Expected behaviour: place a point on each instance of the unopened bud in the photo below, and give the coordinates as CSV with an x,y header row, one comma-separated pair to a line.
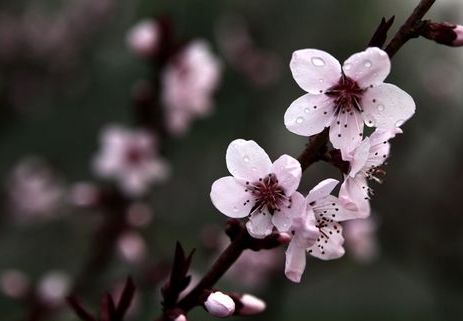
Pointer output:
x,y
143,38
219,305
251,305
444,33
459,40
181,317
284,238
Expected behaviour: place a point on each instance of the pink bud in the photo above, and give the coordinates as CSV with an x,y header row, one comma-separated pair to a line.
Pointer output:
x,y
219,305
143,38
444,33
181,317
284,238
251,305
459,39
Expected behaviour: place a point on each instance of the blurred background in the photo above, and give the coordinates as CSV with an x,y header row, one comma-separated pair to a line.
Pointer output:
x,y
68,70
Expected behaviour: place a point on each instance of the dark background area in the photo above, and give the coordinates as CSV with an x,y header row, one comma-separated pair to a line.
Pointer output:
x,y
55,107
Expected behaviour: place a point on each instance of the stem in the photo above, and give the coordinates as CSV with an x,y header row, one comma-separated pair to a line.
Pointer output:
x,y
409,29
314,150
221,265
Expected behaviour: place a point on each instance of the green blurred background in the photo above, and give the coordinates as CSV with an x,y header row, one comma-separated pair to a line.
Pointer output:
x,y
58,114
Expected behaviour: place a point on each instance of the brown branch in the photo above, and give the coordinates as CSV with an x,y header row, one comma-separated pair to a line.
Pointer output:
x,y
410,29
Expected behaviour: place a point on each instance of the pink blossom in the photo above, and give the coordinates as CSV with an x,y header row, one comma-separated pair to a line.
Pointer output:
x,y
14,283
257,188
315,228
189,81
35,191
344,98
131,247
130,158
143,38
365,162
54,287
361,239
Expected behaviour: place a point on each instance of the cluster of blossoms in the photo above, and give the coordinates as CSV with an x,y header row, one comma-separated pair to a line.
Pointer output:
x,y
343,98
190,73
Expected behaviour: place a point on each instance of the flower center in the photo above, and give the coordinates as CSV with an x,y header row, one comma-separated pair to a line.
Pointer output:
x,y
268,193
346,95
134,155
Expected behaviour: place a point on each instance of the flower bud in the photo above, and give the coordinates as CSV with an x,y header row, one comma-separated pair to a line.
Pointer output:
x,y
251,305
219,305
180,317
459,32
143,38
444,33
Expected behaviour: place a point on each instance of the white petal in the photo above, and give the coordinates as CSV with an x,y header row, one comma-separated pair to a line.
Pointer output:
x,y
332,208
355,190
230,197
387,106
369,67
329,244
309,114
295,262
360,157
322,189
346,131
260,225
283,219
288,173
379,146
380,136
246,160
305,230
315,70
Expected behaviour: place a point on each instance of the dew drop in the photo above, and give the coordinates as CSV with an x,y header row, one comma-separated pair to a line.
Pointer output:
x,y
299,120
399,123
321,80
307,110
246,159
380,107
367,63
317,61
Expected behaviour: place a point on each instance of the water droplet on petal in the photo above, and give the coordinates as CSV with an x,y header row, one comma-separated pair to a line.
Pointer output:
x,y
380,107
307,110
399,123
246,159
317,61
321,80
367,63
299,120
235,209
347,66
369,120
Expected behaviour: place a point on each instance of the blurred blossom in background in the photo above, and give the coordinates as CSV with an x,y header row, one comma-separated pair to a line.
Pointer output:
x,y
219,70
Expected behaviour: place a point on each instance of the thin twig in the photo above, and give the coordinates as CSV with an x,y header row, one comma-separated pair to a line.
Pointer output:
x,y
410,28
